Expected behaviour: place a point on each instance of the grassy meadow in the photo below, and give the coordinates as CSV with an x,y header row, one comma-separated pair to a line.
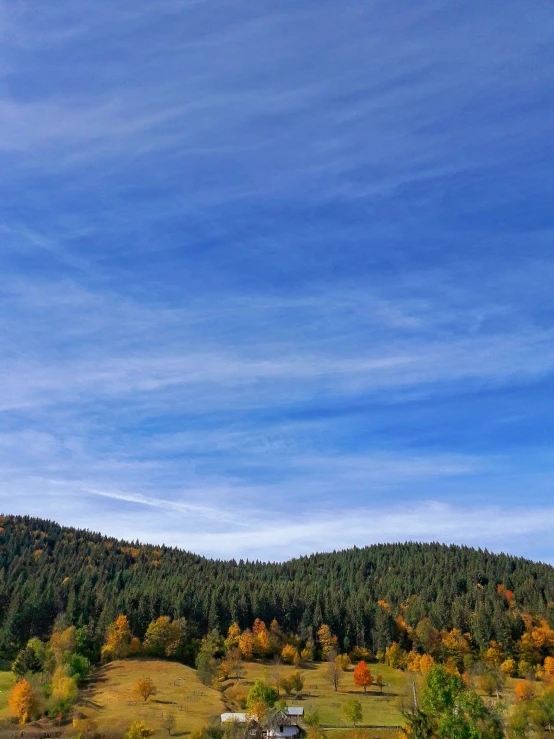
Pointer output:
x,y
111,703
378,710
6,684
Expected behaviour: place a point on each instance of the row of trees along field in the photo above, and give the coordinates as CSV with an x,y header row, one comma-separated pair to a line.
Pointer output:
x,y
49,674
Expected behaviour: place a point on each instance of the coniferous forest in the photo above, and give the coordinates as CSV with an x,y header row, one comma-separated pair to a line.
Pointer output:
x,y
374,597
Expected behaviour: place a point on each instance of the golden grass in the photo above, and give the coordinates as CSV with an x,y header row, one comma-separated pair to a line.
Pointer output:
x,y
110,700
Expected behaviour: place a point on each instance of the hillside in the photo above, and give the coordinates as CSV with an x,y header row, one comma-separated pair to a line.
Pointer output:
x,y
370,597
111,703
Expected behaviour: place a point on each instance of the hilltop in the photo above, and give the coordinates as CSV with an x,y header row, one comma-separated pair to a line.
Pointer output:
x,y
371,597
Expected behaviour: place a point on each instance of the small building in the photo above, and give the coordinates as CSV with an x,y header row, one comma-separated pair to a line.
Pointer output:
x,y
283,724
252,729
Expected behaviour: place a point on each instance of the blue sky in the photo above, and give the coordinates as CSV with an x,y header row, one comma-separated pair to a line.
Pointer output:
x,y
276,277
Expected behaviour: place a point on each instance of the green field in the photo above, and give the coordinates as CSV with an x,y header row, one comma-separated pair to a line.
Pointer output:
x,y
378,710
6,683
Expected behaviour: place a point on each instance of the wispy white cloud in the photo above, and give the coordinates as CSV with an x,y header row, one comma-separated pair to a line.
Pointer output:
x,y
272,258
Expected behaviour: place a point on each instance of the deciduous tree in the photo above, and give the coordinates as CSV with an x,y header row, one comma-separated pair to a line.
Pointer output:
x,y
145,688
352,711
362,676
138,730
327,641
23,702
169,721
246,644
260,692
334,672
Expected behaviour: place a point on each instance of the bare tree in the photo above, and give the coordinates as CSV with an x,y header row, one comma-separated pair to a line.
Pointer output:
x,y
169,722
234,660
334,671
277,673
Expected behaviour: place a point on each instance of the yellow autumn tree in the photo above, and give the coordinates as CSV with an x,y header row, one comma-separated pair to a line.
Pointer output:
x,y
508,667
288,654
451,666
549,668
455,644
395,656
413,662
64,688
327,640
275,629
163,637
23,702
307,653
494,655
246,644
63,642
262,645
118,639
343,661
426,663
233,636
138,730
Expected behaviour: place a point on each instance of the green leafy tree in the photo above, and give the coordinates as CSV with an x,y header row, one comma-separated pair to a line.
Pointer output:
x,y
260,692
206,668
79,666
352,711
455,711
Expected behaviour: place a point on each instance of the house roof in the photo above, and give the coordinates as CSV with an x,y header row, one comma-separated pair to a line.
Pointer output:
x,y
241,718
294,710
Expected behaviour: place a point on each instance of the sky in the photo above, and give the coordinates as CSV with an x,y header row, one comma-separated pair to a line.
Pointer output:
x,y
277,277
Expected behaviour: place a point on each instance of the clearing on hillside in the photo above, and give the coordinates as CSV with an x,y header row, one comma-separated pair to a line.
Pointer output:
x,y
378,710
111,702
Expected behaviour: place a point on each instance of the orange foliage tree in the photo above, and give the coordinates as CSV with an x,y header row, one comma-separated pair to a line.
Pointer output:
x,y
23,702
425,663
362,676
145,688
258,626
523,691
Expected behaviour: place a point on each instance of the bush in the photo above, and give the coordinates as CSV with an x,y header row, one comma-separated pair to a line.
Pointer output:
x,y
138,730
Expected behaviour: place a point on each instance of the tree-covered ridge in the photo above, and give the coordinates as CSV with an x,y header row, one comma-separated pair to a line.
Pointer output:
x,y
371,597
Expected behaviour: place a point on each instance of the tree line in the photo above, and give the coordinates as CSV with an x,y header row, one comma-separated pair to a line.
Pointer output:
x,y
396,602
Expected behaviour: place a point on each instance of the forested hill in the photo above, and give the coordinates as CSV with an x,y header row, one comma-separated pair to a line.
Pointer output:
x,y
369,597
